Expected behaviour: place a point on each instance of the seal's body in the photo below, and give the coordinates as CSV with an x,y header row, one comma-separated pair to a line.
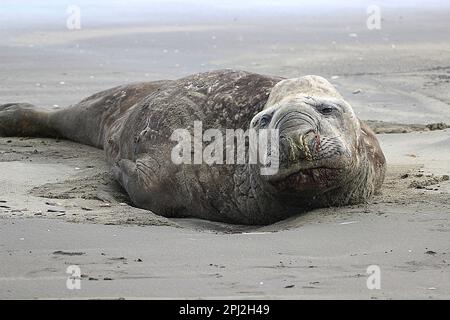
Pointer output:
x,y
327,156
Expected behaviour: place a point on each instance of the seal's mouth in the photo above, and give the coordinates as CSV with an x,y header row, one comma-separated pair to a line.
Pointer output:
x,y
302,146
306,179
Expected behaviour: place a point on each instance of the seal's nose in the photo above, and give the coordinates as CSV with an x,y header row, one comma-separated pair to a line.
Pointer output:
x,y
305,140
299,134
300,145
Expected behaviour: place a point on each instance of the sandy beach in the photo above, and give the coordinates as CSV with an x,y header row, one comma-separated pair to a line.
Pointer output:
x,y
59,205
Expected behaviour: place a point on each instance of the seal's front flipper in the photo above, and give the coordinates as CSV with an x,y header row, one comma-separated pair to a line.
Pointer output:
x,y
125,172
25,120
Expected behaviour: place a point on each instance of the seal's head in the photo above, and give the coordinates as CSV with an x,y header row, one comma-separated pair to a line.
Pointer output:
x,y
323,147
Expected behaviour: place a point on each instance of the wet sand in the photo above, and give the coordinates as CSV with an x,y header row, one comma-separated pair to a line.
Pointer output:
x,y
60,207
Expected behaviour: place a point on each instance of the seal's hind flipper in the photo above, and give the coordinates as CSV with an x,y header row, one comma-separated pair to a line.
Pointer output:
x,y
25,120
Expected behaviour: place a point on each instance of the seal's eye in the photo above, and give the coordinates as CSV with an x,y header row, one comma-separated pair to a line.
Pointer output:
x,y
265,120
326,110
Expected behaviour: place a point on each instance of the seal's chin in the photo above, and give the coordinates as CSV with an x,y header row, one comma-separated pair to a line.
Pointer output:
x,y
318,178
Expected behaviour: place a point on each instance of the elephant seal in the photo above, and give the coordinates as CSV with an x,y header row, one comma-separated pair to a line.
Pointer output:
x,y
327,156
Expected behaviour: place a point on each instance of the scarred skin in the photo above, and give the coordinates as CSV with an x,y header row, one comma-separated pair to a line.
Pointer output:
x,y
328,157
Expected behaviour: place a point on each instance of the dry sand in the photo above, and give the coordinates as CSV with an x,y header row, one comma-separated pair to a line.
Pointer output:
x,y
60,207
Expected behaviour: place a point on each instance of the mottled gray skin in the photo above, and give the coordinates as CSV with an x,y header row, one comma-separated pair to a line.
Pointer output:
x,y
327,156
